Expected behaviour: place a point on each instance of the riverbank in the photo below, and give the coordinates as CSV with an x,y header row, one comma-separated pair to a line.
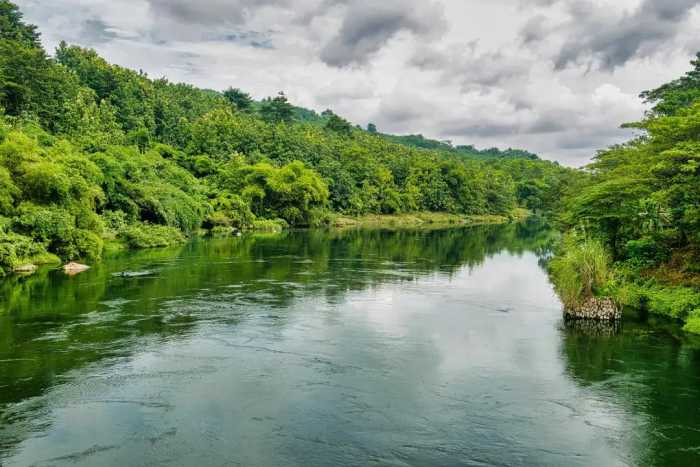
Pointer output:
x,y
583,273
424,219
147,236
646,295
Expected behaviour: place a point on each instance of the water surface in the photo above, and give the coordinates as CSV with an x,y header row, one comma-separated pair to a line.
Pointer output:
x,y
409,348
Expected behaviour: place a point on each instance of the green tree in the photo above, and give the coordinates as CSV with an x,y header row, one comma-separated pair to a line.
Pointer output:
x,y
240,100
677,94
277,109
338,125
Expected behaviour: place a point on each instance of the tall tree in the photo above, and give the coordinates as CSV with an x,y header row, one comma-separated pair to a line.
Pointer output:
x,y
277,109
239,99
677,94
339,125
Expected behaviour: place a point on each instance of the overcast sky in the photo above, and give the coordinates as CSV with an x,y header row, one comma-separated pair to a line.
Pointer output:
x,y
557,77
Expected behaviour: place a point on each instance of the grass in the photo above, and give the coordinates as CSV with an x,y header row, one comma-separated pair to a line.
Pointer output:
x,y
580,271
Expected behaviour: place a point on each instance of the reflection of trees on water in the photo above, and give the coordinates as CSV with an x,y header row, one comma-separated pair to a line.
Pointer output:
x,y
51,323
653,376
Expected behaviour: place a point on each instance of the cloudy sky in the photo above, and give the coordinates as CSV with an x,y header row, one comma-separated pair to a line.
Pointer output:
x,y
556,77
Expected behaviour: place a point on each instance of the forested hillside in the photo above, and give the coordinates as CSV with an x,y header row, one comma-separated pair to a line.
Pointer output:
x,y
642,202
91,151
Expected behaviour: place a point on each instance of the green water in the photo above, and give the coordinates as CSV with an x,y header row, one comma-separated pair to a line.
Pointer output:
x,y
427,348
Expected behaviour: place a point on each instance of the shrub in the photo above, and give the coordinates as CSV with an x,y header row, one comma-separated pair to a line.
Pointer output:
x,y
675,302
230,211
631,295
115,221
580,270
270,225
646,251
46,224
151,236
80,244
168,205
320,217
693,323
46,182
8,192
16,249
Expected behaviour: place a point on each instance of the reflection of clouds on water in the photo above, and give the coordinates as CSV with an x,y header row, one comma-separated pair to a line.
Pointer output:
x,y
438,348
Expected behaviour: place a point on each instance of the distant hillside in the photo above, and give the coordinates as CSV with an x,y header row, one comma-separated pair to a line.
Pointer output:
x,y
419,141
302,114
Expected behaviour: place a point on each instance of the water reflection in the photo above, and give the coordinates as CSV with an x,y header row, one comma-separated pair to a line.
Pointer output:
x,y
652,377
317,348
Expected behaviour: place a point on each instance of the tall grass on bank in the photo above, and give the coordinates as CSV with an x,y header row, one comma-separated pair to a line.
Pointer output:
x,y
580,270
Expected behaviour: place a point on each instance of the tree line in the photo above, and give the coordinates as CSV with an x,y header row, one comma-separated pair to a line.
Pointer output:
x,y
93,152
641,201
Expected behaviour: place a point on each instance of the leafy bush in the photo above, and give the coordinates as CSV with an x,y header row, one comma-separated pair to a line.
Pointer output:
x,y
17,249
151,236
290,192
581,270
267,225
646,251
8,192
693,322
674,302
320,217
44,223
80,244
630,294
230,211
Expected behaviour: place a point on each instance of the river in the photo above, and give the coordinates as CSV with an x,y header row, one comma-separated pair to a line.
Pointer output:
x,y
404,348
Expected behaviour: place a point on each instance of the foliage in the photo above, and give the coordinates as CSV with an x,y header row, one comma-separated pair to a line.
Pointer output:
x,y
230,210
641,200
693,323
338,125
92,151
580,271
277,109
270,225
142,235
240,100
682,92
16,250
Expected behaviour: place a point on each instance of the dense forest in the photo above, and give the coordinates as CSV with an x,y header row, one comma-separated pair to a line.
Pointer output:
x,y
92,152
634,222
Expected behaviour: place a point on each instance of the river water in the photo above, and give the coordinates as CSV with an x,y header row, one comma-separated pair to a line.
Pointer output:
x,y
408,348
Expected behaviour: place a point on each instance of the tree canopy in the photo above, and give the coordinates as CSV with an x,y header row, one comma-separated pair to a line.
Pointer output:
x,y
93,152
